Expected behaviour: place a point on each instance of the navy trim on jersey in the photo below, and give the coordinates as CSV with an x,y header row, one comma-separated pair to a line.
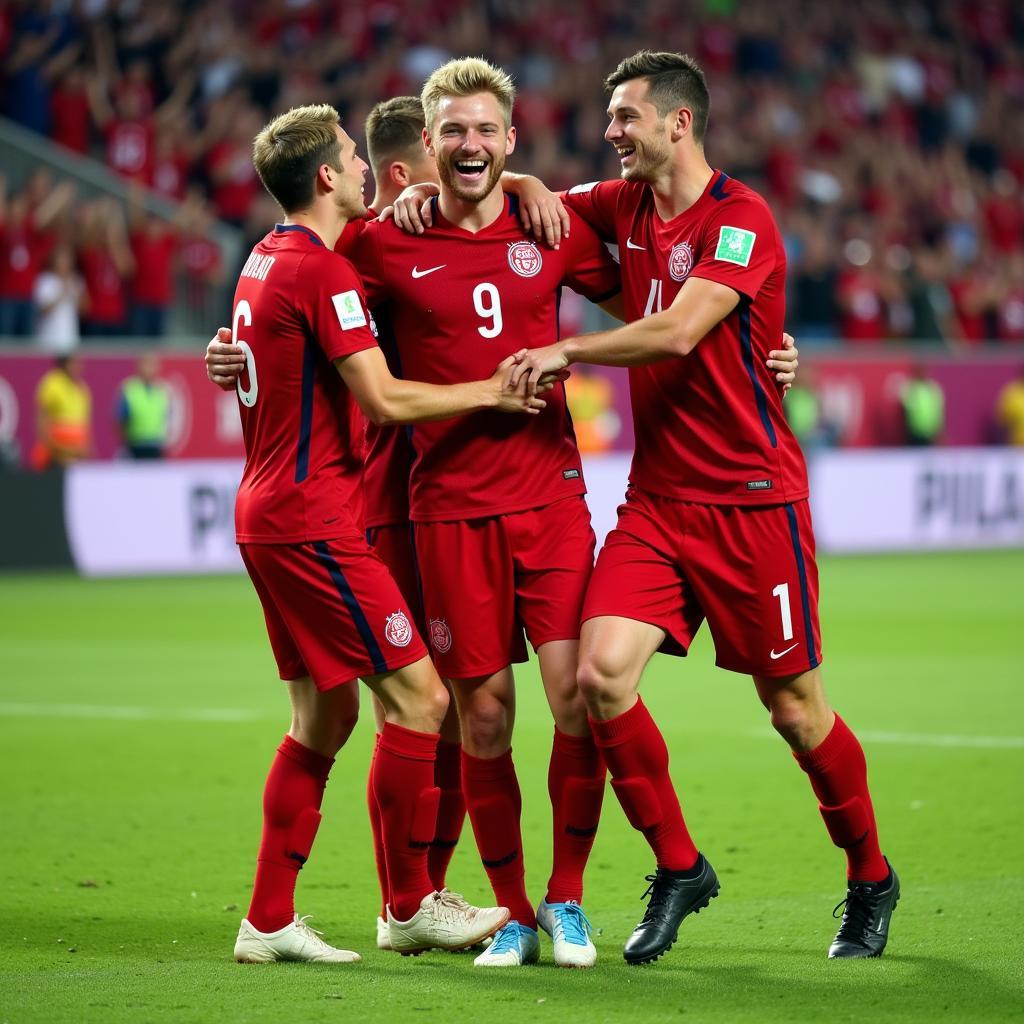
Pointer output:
x,y
805,597
352,604
370,535
746,347
416,573
305,412
299,227
513,204
717,190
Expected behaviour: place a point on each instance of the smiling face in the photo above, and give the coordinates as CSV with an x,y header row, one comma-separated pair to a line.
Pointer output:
x,y
638,132
470,141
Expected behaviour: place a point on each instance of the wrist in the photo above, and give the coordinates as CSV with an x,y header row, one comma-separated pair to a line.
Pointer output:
x,y
570,350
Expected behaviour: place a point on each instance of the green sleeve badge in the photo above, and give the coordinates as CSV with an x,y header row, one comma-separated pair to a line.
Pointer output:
x,y
735,245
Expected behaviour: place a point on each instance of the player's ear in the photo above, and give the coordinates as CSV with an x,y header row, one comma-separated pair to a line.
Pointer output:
x,y
399,174
325,176
428,145
510,140
680,123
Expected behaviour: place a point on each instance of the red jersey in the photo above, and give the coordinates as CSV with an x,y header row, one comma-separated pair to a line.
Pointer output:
x,y
104,286
297,307
130,149
388,454
709,427
460,303
153,283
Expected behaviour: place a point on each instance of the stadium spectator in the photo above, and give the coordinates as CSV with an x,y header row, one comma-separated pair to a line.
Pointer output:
x,y
26,238
58,295
154,245
63,415
144,411
923,409
1010,410
107,263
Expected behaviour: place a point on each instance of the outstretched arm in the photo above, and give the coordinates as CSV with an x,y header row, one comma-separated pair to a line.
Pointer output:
x,y
675,331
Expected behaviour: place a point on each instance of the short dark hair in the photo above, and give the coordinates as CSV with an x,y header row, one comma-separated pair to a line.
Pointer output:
x,y
289,150
393,128
674,80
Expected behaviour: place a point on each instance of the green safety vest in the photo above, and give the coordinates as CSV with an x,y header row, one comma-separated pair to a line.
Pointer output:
x,y
924,406
148,409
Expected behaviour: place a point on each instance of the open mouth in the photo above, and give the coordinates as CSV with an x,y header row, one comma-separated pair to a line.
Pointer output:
x,y
470,170
626,154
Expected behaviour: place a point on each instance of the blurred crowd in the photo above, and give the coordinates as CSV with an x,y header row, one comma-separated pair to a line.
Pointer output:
x,y
888,138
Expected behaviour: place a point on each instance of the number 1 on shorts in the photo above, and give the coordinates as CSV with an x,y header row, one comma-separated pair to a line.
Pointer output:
x,y
782,593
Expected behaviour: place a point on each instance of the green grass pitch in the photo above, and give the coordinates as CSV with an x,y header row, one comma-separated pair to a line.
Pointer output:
x,y
137,720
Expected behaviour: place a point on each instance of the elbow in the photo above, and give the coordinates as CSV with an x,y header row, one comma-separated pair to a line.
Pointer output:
x,y
682,342
381,413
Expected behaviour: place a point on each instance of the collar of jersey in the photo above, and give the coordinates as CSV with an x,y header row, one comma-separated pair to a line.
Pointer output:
x,y
292,228
511,210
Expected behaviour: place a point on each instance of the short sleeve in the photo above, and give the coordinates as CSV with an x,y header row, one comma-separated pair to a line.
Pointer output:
x,y
596,203
590,269
334,306
739,246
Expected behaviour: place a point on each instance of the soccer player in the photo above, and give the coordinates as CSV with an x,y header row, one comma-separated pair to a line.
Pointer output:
x,y
502,531
394,130
333,612
716,522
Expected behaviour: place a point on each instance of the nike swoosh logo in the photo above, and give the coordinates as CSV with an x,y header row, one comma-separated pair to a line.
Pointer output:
x,y
416,272
775,657
630,245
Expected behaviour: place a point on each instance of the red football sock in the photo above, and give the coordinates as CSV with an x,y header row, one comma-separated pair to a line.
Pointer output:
x,y
403,782
494,803
378,834
839,778
637,759
291,814
576,787
451,811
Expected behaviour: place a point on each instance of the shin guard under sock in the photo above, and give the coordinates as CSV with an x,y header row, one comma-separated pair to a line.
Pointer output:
x,y
576,786
291,815
403,782
637,758
494,804
839,777
451,811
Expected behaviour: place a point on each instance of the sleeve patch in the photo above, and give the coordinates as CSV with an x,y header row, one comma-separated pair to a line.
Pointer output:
x,y
349,310
735,245
577,190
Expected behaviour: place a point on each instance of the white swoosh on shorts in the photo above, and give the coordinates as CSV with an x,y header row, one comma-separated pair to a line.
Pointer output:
x,y
775,657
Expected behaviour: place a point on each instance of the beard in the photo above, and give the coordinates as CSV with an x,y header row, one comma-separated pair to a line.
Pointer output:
x,y
479,191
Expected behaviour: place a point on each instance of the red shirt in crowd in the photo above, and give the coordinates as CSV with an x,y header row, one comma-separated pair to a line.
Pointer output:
x,y
153,283
104,286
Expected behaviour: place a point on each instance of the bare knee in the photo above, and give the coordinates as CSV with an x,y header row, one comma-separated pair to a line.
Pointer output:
x,y
800,714
325,728
603,684
486,723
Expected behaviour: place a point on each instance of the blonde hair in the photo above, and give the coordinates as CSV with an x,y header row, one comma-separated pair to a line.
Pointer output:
x,y
464,77
289,150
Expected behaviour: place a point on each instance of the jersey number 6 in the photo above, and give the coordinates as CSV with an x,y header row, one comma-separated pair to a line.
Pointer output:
x,y
243,315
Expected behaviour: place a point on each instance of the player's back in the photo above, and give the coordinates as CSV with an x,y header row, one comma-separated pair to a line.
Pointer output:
x,y
297,307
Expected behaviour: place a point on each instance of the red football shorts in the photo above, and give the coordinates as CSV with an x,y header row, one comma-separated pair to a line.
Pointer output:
x,y
486,580
394,546
750,571
333,611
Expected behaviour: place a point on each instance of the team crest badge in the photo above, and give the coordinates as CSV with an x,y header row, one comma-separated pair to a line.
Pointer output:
x,y
398,630
680,261
525,259
440,636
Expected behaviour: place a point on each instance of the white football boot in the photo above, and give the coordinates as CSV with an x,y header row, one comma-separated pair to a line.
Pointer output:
x,y
570,930
515,945
383,934
295,941
444,921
